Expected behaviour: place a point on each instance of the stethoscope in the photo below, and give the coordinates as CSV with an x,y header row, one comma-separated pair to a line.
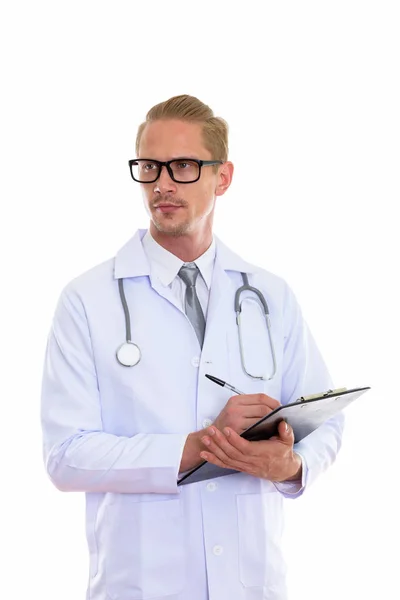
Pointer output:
x,y
129,354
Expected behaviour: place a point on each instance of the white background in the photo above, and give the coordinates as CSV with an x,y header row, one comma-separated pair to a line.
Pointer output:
x,y
310,90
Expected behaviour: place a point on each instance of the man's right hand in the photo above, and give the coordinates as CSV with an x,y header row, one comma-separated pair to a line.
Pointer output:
x,y
240,412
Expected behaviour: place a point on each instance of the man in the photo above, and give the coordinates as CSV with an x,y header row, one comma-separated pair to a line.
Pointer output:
x,y
124,435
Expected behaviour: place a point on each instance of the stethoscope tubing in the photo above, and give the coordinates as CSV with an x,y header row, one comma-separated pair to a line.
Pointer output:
x,y
128,354
128,333
238,310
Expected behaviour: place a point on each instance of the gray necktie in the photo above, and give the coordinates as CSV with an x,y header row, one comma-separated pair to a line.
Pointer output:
x,y
192,304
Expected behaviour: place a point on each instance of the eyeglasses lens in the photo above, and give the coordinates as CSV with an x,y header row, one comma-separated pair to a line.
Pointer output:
x,y
184,171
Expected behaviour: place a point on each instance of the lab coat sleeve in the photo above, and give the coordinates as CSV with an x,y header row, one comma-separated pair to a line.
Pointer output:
x,y
79,455
304,373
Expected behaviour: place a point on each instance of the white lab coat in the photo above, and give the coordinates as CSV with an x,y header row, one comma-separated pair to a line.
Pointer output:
x,y
118,433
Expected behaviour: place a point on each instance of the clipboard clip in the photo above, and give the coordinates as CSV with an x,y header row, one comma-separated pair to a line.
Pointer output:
x,y
324,395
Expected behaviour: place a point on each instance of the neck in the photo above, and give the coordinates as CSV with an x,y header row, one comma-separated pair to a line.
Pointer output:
x,y
186,247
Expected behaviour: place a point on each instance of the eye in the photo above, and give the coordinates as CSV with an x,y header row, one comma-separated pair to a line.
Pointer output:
x,y
183,165
149,166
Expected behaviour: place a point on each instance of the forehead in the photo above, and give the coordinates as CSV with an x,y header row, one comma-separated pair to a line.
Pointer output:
x,y
167,139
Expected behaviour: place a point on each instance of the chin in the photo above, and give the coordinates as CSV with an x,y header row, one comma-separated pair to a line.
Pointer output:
x,y
172,229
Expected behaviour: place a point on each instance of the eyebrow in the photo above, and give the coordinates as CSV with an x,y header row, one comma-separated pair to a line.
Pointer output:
x,y
180,156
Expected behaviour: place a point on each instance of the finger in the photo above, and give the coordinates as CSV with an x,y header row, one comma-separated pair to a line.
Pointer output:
x,y
211,458
215,454
219,445
256,400
248,410
286,433
214,450
253,413
238,442
268,401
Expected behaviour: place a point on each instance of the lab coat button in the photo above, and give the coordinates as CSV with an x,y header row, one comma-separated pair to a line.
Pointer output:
x,y
217,550
207,423
195,361
211,487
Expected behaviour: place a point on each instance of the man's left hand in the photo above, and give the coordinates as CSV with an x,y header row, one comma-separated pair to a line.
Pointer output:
x,y
272,459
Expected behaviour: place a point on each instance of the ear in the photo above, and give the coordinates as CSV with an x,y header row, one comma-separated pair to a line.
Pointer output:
x,y
224,180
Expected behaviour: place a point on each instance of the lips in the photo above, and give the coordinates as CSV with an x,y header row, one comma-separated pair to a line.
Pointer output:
x,y
167,207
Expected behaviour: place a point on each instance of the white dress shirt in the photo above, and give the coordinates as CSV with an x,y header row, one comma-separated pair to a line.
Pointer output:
x,y
165,266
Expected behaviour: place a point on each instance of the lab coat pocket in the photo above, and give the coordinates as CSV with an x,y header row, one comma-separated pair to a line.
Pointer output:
x,y
144,550
260,526
252,539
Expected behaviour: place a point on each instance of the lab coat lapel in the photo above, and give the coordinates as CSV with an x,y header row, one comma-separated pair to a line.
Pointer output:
x,y
223,288
165,292
221,297
131,261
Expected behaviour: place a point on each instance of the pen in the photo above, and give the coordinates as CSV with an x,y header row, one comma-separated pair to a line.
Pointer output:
x,y
224,384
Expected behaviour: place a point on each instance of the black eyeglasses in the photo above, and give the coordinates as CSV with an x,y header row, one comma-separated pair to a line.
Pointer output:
x,y
181,170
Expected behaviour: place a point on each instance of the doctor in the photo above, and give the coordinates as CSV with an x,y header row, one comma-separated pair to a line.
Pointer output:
x,y
124,434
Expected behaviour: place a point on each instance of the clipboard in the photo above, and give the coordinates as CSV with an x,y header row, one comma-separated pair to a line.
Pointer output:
x,y
304,415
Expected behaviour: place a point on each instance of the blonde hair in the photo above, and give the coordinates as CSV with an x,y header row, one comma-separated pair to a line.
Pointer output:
x,y
192,110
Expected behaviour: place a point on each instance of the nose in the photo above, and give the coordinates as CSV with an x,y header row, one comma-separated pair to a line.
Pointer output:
x,y
164,182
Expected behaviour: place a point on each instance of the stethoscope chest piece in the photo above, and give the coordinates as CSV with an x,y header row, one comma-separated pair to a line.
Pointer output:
x,y
128,354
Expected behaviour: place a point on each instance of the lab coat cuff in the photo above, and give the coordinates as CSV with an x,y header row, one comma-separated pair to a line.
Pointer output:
x,y
294,489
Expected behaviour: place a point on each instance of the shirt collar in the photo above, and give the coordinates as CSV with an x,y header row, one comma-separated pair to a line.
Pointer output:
x,y
166,265
131,260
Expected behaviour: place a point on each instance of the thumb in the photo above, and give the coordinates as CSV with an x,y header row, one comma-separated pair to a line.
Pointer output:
x,y
286,433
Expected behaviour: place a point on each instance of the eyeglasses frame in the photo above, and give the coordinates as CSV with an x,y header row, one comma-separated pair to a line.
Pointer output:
x,y
167,163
